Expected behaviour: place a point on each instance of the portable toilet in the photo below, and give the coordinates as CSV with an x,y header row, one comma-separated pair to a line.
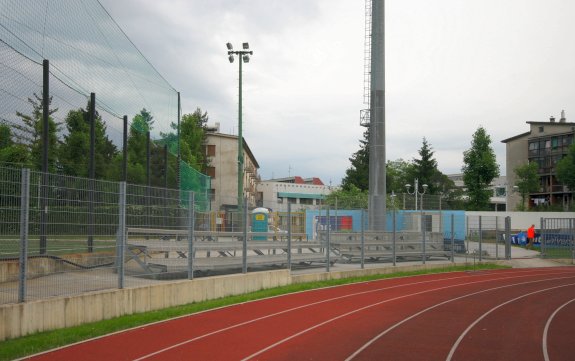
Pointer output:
x,y
260,223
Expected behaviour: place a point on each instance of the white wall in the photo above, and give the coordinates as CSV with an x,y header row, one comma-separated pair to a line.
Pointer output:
x,y
523,220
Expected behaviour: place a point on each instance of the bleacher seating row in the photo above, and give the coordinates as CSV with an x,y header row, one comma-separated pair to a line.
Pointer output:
x,y
155,251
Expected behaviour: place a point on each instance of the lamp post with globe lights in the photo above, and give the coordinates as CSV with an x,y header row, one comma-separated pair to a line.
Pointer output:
x,y
416,191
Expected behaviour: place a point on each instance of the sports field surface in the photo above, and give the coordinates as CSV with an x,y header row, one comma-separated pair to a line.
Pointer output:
x,y
523,314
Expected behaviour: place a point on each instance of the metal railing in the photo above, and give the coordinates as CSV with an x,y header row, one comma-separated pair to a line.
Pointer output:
x,y
62,235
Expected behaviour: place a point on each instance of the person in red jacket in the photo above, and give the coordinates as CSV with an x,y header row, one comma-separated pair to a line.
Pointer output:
x,y
530,237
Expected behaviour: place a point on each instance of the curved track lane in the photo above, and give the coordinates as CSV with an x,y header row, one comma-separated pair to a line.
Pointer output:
x,y
495,315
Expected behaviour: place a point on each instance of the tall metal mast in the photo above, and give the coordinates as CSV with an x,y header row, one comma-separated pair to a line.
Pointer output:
x,y
377,184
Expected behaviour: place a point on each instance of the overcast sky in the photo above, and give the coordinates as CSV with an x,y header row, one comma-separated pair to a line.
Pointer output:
x,y
451,66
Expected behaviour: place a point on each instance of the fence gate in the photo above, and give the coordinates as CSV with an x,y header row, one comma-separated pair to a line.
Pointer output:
x,y
487,237
557,238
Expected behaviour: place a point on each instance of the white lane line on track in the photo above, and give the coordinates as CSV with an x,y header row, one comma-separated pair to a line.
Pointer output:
x,y
522,274
545,332
294,309
456,344
370,342
371,306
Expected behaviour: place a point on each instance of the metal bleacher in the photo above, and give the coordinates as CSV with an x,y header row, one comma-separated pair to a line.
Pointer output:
x,y
163,250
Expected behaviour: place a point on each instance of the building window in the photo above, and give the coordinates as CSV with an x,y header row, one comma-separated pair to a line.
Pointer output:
x,y
541,129
306,201
211,171
211,150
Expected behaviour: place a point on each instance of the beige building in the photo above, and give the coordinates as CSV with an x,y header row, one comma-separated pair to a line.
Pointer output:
x,y
301,193
498,187
545,143
222,152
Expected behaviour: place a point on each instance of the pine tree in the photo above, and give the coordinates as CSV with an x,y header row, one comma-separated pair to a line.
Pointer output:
x,y
425,168
75,147
32,131
358,174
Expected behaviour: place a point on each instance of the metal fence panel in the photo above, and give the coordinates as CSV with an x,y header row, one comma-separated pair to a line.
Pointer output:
x,y
557,238
84,235
485,239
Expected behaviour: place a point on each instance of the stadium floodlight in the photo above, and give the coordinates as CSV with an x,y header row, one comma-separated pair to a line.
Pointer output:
x,y
244,57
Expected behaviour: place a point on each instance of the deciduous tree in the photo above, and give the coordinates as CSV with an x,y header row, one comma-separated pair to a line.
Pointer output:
x,y
566,169
527,180
479,169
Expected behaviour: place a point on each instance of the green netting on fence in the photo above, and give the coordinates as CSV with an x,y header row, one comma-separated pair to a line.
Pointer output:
x,y
88,53
200,184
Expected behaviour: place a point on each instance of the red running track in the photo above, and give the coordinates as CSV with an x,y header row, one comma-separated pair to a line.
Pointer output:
x,y
526,314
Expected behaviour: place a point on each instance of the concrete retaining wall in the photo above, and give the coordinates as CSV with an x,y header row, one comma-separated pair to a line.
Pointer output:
x,y
36,316
22,319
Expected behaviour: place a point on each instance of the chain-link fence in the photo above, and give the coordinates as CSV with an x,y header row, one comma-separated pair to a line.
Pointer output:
x,y
78,98
62,235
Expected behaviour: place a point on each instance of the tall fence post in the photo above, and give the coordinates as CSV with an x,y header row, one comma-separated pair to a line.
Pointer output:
x,y
480,240
423,253
125,149
452,238
362,238
24,219
508,237
149,181
394,237
45,142
191,226
289,236
496,238
542,237
91,172
245,237
572,231
328,233
121,237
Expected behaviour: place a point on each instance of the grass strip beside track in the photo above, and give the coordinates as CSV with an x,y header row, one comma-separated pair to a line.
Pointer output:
x,y
28,345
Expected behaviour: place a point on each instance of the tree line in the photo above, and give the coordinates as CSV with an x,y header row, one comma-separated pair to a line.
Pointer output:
x,y
69,145
479,170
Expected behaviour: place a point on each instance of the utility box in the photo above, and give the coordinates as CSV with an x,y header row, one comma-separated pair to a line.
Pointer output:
x,y
260,223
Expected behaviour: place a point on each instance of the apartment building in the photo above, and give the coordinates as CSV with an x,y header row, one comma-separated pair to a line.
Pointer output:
x,y
545,143
222,152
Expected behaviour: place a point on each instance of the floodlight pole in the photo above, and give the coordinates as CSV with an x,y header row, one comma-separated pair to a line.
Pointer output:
x,y
240,143
243,56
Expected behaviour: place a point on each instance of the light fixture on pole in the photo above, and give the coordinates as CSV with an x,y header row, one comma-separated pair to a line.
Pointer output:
x,y
244,57
392,196
416,191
